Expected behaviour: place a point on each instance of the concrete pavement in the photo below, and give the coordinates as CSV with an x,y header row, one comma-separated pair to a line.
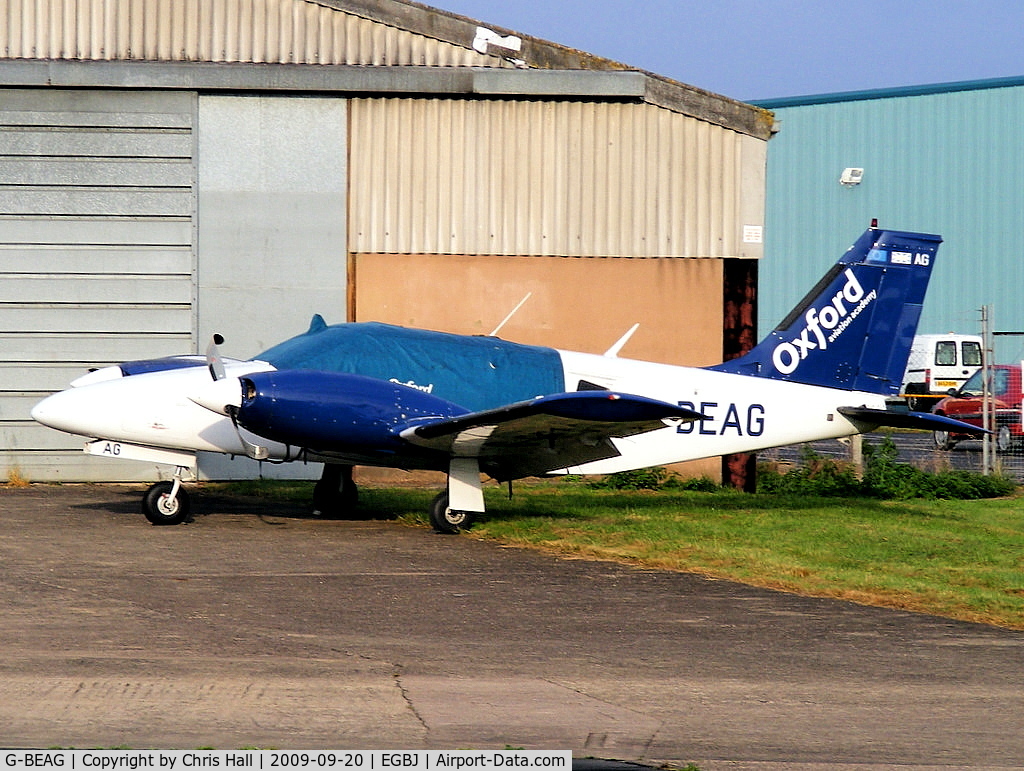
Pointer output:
x,y
256,626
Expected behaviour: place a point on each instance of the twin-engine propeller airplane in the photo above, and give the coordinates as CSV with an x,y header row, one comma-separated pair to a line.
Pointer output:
x,y
379,395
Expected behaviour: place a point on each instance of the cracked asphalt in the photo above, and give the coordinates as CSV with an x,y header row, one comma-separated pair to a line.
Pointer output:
x,y
256,626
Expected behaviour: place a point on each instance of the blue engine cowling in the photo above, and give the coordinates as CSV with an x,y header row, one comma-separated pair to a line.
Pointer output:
x,y
334,412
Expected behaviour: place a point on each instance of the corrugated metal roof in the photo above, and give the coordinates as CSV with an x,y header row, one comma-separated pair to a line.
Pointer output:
x,y
329,33
259,31
889,93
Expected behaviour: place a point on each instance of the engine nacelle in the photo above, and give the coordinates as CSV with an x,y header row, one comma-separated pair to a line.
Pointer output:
x,y
330,411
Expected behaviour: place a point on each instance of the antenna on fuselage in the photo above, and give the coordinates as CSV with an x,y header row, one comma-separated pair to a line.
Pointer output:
x,y
512,313
614,350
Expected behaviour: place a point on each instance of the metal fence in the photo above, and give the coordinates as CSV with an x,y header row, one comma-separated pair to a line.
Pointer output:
x,y
917,448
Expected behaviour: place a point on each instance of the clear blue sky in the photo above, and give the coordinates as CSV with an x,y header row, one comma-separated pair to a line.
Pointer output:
x,y
773,48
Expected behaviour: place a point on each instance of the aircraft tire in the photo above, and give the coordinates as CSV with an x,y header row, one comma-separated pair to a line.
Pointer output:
x,y
1004,439
942,440
446,520
161,509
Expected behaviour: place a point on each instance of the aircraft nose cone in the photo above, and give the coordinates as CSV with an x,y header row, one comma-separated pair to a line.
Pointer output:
x,y
219,395
38,412
62,411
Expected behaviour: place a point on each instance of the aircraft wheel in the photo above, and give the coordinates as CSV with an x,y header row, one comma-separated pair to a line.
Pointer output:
x,y
942,440
1004,439
918,398
921,403
161,509
335,494
446,520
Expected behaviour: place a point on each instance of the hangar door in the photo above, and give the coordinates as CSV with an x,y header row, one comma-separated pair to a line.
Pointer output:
x,y
96,253
580,304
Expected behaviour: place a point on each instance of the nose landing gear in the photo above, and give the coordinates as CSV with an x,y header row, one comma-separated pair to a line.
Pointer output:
x,y
167,503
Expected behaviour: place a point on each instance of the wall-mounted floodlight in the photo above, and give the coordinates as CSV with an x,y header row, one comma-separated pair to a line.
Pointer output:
x,y
851,177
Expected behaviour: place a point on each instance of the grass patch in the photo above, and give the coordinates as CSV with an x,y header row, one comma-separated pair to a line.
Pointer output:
x,y
961,559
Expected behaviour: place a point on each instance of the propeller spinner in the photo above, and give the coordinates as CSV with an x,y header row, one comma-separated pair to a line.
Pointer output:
x,y
224,396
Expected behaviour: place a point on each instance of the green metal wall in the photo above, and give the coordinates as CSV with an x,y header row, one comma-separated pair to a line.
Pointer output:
x,y
944,159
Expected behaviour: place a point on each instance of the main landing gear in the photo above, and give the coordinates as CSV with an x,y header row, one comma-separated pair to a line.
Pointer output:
x,y
335,496
447,520
457,507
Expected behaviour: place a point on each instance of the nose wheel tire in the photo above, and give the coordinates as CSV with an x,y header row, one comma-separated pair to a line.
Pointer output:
x,y
162,509
446,520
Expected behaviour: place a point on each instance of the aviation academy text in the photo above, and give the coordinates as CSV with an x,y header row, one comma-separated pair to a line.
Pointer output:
x,y
228,760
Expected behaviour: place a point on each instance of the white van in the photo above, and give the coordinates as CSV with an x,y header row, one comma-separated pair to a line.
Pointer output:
x,y
938,363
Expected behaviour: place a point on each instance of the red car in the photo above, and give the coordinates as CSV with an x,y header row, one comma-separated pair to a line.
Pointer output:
x,y
966,405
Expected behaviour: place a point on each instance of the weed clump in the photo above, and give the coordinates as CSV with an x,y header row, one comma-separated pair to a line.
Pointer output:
x,y
654,478
16,479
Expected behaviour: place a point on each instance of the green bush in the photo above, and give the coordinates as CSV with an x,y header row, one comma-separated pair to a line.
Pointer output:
x,y
638,479
884,477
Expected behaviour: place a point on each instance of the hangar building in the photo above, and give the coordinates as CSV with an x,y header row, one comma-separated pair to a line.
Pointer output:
x,y
941,159
170,169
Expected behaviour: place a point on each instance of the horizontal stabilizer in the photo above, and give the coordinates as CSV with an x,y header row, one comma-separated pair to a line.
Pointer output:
x,y
547,433
924,421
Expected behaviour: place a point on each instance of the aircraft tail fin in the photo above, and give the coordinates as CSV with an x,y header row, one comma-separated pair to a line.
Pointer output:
x,y
854,329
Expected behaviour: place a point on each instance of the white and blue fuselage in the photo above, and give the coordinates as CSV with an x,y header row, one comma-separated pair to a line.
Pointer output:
x,y
162,409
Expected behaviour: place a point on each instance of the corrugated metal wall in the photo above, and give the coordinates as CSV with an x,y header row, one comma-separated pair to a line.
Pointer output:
x,y
944,162
96,262
433,176
263,31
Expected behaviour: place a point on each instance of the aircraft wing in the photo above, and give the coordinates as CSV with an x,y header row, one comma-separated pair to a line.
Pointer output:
x,y
547,433
925,421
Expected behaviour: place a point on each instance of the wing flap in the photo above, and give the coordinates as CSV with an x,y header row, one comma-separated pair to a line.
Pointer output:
x,y
547,433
